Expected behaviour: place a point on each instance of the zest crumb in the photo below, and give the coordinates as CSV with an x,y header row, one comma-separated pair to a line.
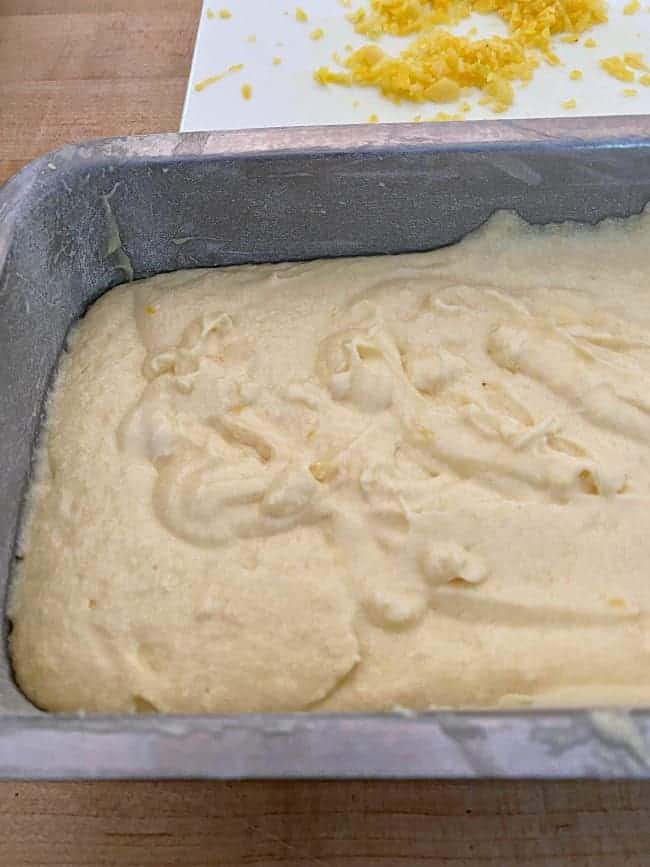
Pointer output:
x,y
318,33
210,14
246,91
569,103
590,43
373,118
575,75
635,60
251,38
225,14
301,15
644,80
149,310
276,61
569,38
417,118
629,91
631,7
235,67
617,68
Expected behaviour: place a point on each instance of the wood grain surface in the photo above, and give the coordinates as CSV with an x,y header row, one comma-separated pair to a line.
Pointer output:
x,y
358,824
74,69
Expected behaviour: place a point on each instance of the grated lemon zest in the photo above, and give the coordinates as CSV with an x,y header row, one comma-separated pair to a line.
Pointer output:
x,y
439,66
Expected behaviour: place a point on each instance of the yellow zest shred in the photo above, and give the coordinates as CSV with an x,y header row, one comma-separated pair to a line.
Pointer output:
x,y
616,602
225,14
444,116
246,91
644,80
569,103
213,79
439,66
150,310
318,33
206,82
590,43
373,118
575,75
617,68
277,61
301,15
210,14
630,91
631,7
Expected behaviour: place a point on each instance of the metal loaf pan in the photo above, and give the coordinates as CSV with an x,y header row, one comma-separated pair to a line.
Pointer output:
x,y
87,217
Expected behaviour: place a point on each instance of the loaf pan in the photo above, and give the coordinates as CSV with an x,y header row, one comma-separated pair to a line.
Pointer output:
x,y
87,217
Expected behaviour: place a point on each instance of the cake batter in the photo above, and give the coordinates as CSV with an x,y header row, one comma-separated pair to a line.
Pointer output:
x,y
417,481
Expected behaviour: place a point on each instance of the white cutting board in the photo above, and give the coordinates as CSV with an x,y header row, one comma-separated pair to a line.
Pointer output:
x,y
287,95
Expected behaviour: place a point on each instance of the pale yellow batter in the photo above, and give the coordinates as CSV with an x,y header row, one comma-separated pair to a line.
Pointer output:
x,y
410,481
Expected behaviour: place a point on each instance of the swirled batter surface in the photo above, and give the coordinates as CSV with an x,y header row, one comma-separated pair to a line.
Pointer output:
x,y
419,480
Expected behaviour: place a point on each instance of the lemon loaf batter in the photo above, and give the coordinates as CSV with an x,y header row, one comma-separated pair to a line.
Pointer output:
x,y
419,480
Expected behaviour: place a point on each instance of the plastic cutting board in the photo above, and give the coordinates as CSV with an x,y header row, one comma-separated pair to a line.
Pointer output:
x,y
283,92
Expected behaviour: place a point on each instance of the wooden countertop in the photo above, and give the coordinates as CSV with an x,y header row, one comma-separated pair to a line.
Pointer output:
x,y
74,69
